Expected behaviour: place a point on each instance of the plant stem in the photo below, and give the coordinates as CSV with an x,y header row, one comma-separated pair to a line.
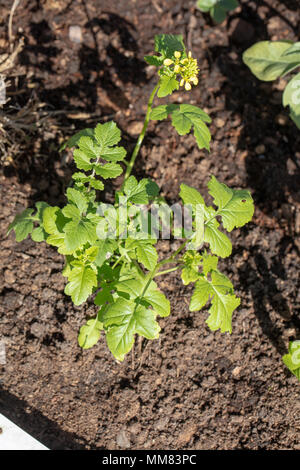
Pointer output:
x,y
170,260
151,276
118,261
142,135
166,271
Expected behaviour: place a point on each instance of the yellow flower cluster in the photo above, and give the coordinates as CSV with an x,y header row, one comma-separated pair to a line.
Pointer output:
x,y
187,68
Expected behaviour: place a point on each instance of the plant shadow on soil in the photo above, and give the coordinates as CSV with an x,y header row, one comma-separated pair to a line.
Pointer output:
x,y
81,91
37,425
269,175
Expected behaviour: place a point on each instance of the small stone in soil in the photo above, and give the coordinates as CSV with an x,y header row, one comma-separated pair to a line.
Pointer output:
x,y
122,440
37,330
9,277
75,34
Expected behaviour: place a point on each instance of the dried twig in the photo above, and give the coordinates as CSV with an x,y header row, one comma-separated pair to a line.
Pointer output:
x,y
7,60
12,11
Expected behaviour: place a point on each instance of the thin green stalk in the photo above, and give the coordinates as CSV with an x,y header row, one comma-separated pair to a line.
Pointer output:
x,y
166,271
173,256
141,136
118,261
151,276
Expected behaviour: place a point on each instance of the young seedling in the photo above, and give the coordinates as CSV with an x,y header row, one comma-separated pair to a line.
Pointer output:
x,y
217,9
292,359
110,249
269,60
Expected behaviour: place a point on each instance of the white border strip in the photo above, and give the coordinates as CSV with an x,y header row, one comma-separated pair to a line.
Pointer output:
x,y
14,438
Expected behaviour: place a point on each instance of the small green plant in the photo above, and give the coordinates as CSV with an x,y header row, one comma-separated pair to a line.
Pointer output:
x,y
292,359
110,249
269,60
217,9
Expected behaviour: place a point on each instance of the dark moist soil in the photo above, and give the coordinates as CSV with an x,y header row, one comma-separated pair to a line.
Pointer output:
x,y
191,389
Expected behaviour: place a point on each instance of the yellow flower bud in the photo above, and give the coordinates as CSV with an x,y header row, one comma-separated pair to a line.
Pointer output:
x,y
194,80
188,86
168,62
181,82
177,68
177,54
190,55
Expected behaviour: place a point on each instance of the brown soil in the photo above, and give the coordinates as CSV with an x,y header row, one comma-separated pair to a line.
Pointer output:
x,y
191,389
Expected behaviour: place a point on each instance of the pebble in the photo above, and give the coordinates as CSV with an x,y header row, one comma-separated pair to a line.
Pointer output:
x,y
122,440
135,127
260,149
9,277
282,119
237,371
37,330
75,34
186,435
219,122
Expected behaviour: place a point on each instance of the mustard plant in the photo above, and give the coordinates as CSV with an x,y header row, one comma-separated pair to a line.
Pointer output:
x,y
110,250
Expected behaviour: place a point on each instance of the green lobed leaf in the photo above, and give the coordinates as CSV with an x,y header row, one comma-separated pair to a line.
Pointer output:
x,y
82,178
292,359
140,192
106,249
205,5
218,242
223,301
131,286
154,60
162,111
22,225
78,232
291,98
146,253
184,117
122,320
109,170
89,147
107,136
217,8
82,279
90,333
73,141
201,294
190,196
235,206
267,59
167,44
218,13
167,84
190,273
158,301
78,199
192,261
102,144
83,162
96,184
40,206
104,296
209,263
39,234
